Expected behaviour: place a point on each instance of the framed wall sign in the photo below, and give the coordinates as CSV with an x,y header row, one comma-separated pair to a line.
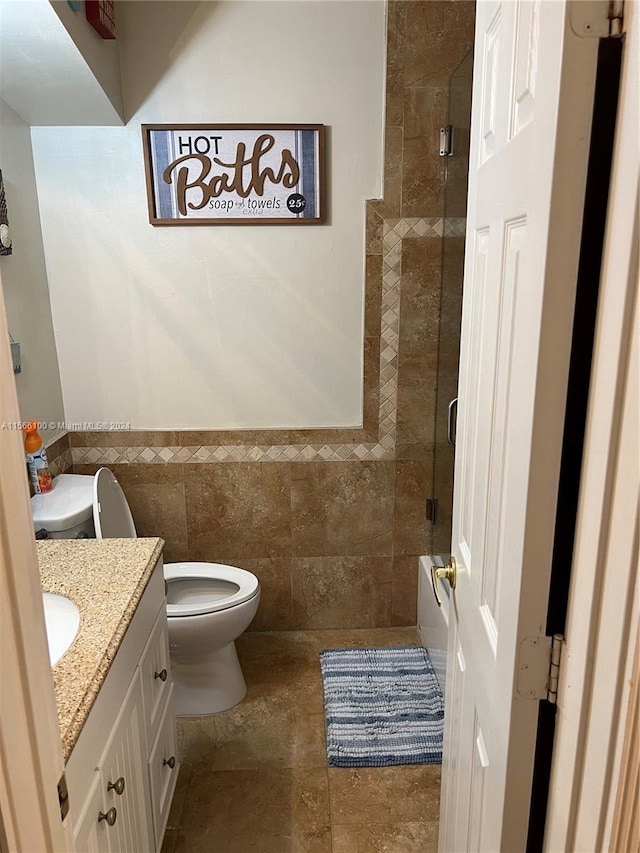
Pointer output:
x,y
245,174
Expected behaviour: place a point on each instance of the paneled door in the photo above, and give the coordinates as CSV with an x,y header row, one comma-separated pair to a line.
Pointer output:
x,y
534,74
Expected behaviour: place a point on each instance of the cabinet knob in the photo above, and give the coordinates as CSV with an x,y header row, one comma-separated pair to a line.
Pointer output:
x,y
110,816
162,675
117,786
170,761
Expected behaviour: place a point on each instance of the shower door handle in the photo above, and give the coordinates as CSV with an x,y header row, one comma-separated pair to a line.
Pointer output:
x,y
452,422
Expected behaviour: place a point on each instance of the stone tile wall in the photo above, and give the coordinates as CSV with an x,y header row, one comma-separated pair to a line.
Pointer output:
x,y
332,521
59,455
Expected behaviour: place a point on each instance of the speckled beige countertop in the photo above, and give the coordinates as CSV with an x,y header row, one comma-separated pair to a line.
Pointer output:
x,y
106,579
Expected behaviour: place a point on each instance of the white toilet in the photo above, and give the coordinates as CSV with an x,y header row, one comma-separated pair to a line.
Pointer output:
x,y
208,604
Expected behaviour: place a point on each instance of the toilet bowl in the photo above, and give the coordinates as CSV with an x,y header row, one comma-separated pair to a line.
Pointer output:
x,y
208,604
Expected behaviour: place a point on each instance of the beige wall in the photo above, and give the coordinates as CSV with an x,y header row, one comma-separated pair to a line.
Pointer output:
x,y
334,543
24,280
217,327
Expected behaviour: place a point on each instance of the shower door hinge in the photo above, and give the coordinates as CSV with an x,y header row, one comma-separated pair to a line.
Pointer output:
x,y
446,140
432,510
539,661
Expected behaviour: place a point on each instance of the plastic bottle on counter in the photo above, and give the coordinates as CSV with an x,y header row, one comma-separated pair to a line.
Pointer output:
x,y
36,459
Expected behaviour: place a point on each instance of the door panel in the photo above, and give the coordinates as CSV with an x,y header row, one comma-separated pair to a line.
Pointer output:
x,y
456,782
525,66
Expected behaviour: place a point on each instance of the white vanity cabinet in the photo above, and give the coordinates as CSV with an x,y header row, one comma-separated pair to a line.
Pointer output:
x,y
111,817
89,834
122,771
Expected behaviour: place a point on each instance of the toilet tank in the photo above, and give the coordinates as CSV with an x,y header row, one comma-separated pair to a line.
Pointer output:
x,y
66,512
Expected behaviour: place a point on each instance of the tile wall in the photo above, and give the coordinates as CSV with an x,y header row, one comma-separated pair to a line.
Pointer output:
x,y
59,455
331,521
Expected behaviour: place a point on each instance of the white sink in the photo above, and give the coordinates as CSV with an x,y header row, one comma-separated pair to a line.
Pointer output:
x,y
62,619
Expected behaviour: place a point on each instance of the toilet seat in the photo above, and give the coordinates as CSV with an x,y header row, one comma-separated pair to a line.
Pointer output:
x,y
111,514
244,587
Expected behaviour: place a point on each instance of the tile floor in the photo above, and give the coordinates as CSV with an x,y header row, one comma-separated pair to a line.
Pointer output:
x,y
255,779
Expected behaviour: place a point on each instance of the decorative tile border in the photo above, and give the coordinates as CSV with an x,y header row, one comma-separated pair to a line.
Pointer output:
x,y
394,231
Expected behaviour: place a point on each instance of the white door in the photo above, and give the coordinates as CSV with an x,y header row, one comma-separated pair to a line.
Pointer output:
x,y
532,104
31,761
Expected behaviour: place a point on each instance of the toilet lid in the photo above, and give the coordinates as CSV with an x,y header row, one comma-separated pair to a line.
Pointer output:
x,y
197,588
112,517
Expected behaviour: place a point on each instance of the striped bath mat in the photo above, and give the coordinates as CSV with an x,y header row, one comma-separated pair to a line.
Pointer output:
x,y
383,707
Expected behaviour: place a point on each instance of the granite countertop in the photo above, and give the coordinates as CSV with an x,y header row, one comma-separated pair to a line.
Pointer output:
x,y
106,579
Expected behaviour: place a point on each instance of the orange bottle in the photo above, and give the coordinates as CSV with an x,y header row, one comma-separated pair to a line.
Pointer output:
x,y
36,459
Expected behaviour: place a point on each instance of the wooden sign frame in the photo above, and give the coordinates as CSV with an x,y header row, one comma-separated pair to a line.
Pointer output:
x,y
235,174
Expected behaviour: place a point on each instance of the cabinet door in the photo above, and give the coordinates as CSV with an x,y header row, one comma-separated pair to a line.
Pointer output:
x,y
121,771
92,835
163,769
156,675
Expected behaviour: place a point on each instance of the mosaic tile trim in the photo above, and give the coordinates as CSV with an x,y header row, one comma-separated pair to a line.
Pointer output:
x,y
393,233
237,453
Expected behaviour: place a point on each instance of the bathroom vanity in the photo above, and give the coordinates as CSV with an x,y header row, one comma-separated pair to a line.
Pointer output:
x,y
114,692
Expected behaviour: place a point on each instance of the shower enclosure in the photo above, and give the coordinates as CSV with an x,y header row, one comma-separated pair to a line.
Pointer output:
x,y
455,209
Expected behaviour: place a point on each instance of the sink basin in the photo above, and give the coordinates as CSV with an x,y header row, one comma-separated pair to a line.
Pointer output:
x,y
62,619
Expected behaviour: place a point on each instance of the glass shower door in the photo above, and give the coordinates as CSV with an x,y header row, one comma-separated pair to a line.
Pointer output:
x,y
455,210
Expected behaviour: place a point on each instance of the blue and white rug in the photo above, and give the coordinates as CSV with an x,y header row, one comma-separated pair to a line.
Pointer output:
x,y
382,706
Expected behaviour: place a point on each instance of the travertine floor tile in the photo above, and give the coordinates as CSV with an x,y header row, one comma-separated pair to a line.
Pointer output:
x,y
169,841
386,838
255,780
373,795
287,658
179,796
269,728
262,811
304,842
